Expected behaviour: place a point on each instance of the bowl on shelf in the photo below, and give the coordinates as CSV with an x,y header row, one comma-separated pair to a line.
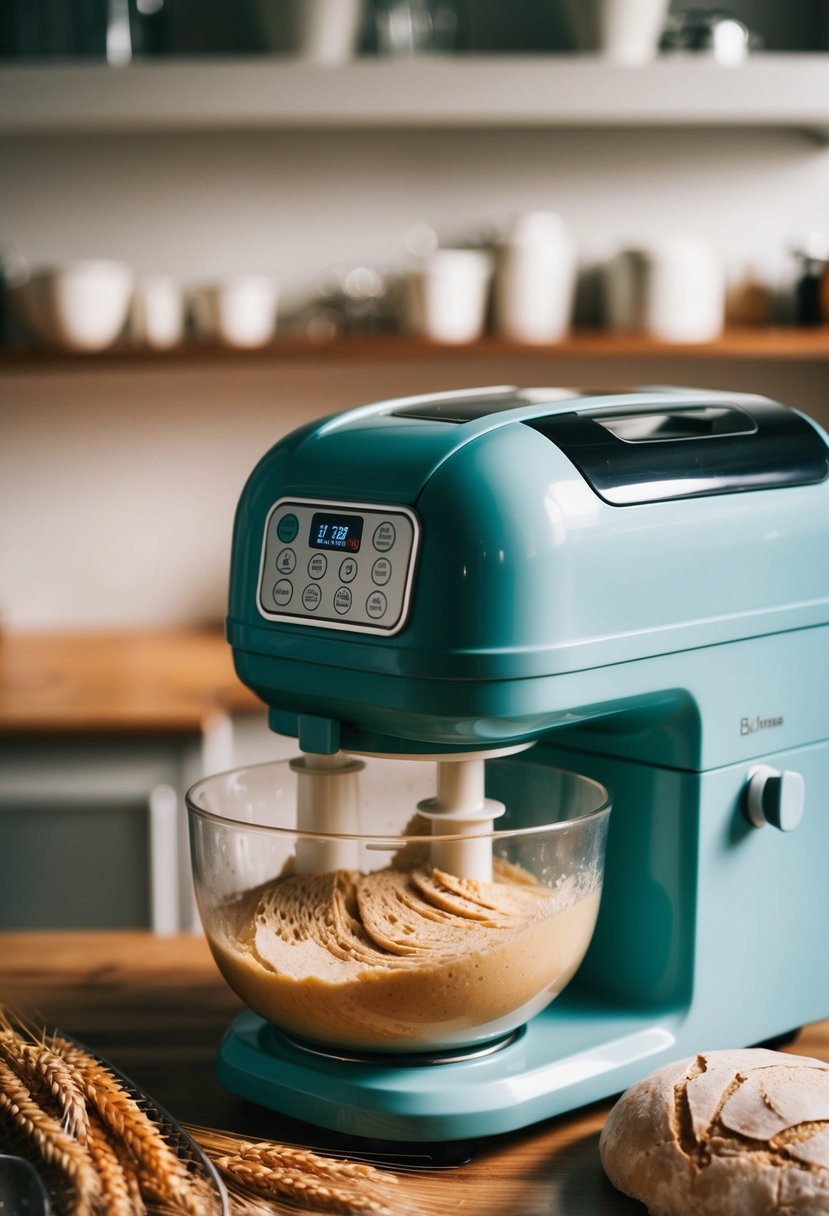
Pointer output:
x,y
80,305
362,940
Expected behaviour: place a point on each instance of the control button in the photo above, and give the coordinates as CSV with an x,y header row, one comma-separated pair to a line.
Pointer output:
x,y
384,537
775,798
318,565
287,528
311,597
342,600
348,570
286,561
381,571
282,592
376,605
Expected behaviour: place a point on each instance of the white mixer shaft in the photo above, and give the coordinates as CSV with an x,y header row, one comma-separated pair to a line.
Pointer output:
x,y
462,809
328,801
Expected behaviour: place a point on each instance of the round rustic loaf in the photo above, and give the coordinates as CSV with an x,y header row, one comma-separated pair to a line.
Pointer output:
x,y
726,1133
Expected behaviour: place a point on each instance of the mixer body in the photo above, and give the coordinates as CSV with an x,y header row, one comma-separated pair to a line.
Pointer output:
x,y
637,584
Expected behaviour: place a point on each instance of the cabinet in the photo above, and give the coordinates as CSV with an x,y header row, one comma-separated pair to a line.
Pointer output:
x,y
92,834
100,737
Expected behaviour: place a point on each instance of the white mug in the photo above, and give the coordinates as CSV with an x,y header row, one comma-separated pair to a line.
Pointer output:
x,y
240,310
157,318
673,290
447,294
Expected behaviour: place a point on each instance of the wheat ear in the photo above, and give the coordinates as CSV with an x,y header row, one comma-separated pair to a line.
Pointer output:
x,y
118,1196
43,1070
299,1185
55,1145
160,1171
299,1176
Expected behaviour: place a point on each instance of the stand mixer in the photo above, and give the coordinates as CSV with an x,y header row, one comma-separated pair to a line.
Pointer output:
x,y
633,585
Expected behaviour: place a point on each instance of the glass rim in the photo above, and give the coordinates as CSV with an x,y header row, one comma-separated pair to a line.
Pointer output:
x,y
383,841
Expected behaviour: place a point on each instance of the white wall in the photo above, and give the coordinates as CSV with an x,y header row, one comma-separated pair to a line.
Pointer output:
x,y
117,487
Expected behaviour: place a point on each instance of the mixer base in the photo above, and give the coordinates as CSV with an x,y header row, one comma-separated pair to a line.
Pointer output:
x,y
568,1055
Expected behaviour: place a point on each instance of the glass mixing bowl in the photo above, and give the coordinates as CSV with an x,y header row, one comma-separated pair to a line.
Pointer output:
x,y
395,954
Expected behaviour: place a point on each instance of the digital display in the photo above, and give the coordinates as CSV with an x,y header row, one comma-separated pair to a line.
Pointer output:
x,y
336,532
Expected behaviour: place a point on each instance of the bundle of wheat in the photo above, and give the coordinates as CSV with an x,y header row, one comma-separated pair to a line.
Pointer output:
x,y
293,1177
103,1149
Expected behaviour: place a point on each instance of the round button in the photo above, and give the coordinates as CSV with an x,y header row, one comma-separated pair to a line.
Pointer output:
x,y
376,605
348,570
381,571
287,528
384,537
286,561
775,798
282,592
311,597
318,565
342,600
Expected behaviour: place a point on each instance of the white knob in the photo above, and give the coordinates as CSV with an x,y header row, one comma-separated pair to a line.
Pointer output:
x,y
775,798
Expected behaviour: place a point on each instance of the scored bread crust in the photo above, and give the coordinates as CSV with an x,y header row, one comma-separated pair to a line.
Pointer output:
x,y
724,1133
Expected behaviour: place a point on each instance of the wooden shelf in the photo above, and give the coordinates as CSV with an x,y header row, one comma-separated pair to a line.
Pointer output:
x,y
567,90
129,682
799,345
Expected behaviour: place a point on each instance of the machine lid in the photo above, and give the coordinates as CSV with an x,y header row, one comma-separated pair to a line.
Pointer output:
x,y
661,452
459,408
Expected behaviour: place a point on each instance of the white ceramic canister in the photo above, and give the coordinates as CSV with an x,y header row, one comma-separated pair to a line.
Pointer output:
x,y
673,290
535,279
625,31
447,294
317,31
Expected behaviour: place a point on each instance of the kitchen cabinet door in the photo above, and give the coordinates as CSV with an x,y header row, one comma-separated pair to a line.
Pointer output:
x,y
92,835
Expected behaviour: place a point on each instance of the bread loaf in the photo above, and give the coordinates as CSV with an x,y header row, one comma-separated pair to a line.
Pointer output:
x,y
726,1133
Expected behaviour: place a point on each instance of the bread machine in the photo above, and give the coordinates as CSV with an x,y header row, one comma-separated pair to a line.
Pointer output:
x,y
636,584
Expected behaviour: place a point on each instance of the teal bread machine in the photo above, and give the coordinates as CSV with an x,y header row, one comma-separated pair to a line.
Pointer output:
x,y
557,668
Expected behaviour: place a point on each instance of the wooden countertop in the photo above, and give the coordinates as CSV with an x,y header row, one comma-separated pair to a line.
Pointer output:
x,y
141,682
157,1007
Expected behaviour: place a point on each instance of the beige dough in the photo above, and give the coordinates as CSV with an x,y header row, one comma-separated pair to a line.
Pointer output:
x,y
403,959
726,1133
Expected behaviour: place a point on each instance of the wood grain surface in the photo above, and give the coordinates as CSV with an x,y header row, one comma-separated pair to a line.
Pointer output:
x,y
737,343
157,1007
127,682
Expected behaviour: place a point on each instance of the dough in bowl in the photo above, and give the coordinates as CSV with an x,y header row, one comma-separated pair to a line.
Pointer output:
x,y
725,1133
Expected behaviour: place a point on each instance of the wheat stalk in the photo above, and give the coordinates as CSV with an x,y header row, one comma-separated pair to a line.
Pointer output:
x,y
75,1112
301,1186
131,1176
161,1173
83,1121
42,1069
117,1194
299,1176
55,1145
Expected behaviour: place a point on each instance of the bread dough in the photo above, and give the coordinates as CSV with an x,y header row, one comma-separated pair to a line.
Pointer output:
x,y
726,1133
403,959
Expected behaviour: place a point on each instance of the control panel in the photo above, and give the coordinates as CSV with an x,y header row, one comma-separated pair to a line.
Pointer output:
x,y
338,565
